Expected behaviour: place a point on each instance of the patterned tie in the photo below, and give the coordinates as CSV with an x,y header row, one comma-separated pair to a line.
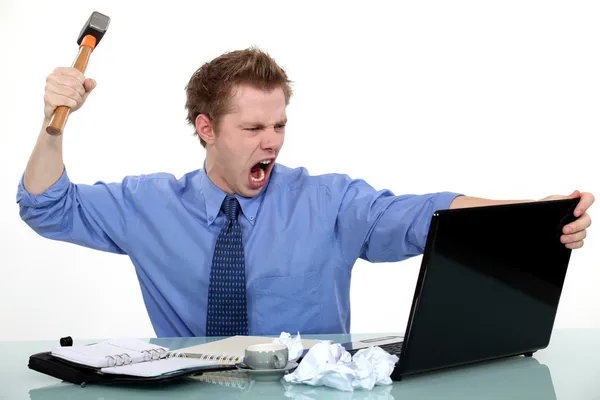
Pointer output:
x,y
226,315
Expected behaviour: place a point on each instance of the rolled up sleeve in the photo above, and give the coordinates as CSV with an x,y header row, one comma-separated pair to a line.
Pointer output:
x,y
95,216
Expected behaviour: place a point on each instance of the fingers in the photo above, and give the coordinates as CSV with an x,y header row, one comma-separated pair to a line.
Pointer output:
x,y
60,83
89,85
576,232
587,199
582,223
66,86
573,238
69,71
574,245
54,100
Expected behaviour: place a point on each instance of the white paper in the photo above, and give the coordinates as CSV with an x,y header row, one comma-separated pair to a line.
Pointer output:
x,y
295,347
331,365
156,368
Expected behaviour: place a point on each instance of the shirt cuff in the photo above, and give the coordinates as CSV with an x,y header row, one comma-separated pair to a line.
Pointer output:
x,y
49,196
443,200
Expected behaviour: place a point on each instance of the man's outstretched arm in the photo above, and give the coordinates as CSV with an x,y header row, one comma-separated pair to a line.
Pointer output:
x,y
379,226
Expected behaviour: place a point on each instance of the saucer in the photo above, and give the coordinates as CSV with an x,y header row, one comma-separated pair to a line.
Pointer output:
x,y
267,374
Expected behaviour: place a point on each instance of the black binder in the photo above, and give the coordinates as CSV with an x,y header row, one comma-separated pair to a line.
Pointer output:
x,y
79,374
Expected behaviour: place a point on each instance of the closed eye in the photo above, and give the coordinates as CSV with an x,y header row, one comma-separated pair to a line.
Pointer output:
x,y
258,128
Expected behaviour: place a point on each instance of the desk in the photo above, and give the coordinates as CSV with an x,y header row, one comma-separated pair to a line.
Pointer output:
x,y
568,369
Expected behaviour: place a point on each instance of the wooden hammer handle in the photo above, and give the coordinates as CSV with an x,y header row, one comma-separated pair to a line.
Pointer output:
x,y
61,113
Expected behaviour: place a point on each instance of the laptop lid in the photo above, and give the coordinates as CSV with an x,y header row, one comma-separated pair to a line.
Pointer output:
x,y
489,285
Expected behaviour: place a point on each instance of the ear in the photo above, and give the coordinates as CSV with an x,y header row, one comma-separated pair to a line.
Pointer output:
x,y
205,129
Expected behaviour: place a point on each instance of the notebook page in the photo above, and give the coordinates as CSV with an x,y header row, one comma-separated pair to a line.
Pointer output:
x,y
156,368
107,353
132,344
234,346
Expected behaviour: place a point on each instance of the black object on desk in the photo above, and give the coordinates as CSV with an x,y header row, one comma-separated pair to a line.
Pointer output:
x,y
66,341
489,287
81,374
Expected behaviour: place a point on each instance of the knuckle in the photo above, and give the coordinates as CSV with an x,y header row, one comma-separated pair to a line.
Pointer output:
x,y
69,81
76,85
52,78
62,101
67,72
75,73
72,93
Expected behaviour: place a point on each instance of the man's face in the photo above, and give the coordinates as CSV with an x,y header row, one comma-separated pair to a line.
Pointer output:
x,y
248,141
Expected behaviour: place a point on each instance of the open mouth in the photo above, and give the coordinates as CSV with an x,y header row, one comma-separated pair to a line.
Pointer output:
x,y
259,172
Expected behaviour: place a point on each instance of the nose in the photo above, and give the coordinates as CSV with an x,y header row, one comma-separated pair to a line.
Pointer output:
x,y
272,139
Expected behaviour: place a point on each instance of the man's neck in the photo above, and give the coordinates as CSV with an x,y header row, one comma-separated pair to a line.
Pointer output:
x,y
213,173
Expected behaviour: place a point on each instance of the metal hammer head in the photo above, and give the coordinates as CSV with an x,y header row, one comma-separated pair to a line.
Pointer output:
x,y
96,26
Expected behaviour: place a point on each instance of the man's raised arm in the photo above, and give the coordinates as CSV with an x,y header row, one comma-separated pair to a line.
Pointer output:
x,y
95,216
64,87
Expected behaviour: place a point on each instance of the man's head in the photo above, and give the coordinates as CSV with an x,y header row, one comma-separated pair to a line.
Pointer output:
x,y
237,105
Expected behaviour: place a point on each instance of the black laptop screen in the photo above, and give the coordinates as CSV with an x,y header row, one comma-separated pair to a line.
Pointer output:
x,y
489,286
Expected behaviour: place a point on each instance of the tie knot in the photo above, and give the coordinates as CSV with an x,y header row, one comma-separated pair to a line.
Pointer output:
x,y
231,207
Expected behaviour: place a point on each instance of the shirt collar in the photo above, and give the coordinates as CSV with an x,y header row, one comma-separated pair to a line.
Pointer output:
x,y
213,199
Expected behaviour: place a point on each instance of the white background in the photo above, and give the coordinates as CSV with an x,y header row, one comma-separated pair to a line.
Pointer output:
x,y
493,99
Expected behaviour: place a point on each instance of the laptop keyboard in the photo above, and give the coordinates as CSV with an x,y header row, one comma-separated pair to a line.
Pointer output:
x,y
392,348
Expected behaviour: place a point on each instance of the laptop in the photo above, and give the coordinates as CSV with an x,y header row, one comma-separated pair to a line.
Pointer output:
x,y
489,286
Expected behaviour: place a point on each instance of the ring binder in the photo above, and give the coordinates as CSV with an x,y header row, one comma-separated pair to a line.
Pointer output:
x,y
125,359
154,354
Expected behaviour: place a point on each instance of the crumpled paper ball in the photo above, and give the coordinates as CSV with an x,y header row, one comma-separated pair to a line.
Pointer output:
x,y
331,365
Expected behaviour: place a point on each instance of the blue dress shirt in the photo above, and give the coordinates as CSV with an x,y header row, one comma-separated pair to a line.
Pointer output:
x,y
302,235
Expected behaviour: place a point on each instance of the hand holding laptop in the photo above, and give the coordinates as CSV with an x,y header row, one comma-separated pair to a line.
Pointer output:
x,y
576,231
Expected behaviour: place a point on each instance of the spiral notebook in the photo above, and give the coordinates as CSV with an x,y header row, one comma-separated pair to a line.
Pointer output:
x,y
133,357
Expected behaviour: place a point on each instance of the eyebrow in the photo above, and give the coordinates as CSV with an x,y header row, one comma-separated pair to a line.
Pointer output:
x,y
282,121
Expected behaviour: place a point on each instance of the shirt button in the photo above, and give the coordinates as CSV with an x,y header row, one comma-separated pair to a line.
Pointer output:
x,y
210,218
251,218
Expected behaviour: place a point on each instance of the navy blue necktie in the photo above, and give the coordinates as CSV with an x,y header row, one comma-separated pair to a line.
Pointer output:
x,y
226,313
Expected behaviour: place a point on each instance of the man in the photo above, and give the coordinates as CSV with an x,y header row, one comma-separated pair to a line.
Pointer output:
x,y
244,245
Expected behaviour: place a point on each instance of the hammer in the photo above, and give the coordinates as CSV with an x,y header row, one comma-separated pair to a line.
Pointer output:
x,y
89,37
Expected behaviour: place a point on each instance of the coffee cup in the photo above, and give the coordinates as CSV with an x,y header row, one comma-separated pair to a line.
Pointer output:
x,y
267,356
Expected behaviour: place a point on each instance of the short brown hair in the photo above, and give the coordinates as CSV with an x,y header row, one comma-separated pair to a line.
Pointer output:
x,y
210,87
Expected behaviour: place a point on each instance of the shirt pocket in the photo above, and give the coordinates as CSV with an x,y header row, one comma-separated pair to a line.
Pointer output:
x,y
289,303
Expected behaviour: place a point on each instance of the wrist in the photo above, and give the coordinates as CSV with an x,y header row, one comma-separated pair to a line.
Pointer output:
x,y
469,201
